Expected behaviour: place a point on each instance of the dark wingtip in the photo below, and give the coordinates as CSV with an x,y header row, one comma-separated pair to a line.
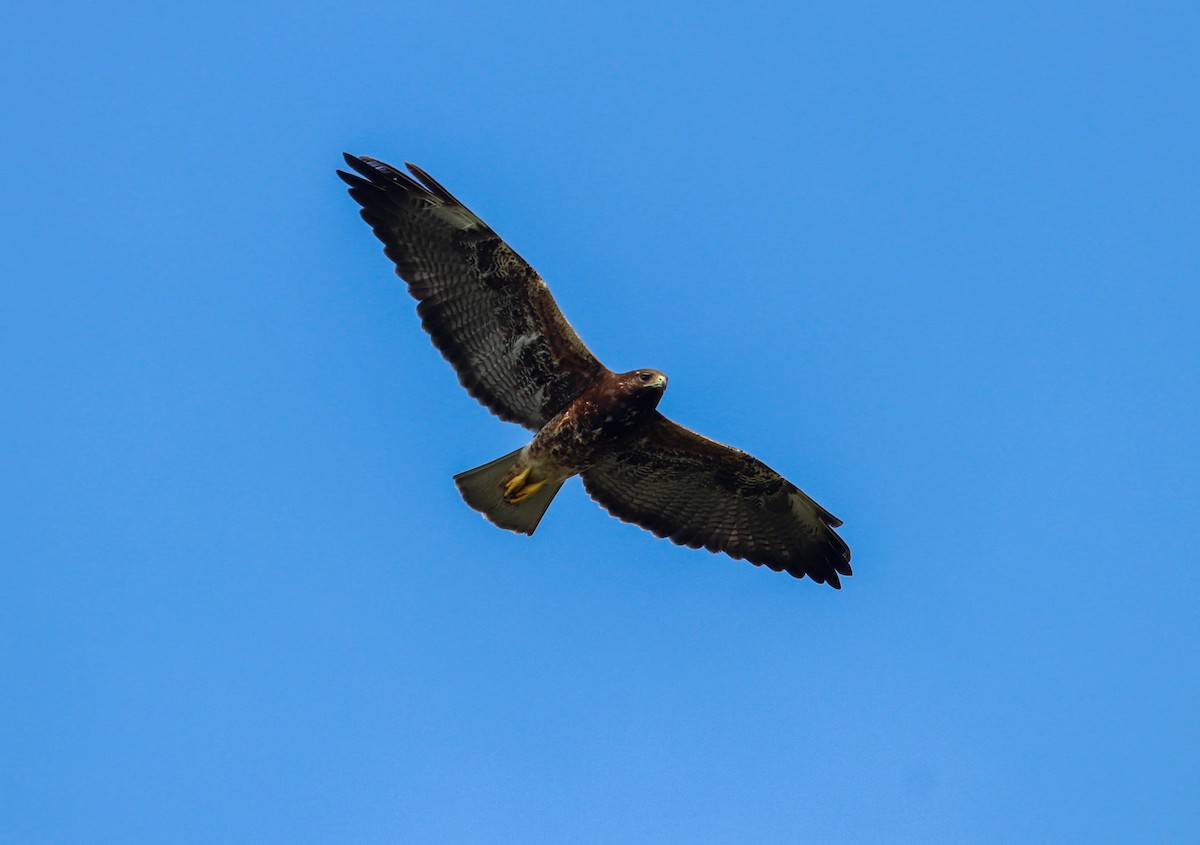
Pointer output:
x,y
432,185
349,178
362,164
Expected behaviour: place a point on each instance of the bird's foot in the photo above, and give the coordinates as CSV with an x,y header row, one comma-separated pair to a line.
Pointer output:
x,y
527,491
517,490
515,483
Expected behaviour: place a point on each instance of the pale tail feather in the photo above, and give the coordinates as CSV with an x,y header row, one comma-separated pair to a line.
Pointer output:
x,y
483,489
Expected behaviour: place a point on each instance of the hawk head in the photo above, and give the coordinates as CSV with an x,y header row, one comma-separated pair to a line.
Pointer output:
x,y
642,387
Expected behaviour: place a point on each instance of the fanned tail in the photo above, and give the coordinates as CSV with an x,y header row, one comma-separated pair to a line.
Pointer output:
x,y
483,489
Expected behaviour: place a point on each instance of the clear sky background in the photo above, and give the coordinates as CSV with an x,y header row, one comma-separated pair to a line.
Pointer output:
x,y
937,263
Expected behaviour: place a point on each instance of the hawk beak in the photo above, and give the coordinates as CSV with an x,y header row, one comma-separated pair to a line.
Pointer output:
x,y
661,381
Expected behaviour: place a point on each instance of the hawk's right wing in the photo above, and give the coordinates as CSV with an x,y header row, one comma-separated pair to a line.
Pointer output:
x,y
701,493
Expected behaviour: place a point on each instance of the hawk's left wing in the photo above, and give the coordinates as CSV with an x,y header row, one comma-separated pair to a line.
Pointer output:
x,y
485,308
698,492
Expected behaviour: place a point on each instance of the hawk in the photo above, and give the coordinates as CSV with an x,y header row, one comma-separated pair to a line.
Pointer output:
x,y
493,318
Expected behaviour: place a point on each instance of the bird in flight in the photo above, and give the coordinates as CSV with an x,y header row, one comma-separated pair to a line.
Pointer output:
x,y
493,318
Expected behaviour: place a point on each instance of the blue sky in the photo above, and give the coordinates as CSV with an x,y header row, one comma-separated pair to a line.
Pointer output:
x,y
937,263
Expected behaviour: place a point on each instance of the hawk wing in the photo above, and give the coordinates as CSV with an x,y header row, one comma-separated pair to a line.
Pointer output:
x,y
698,492
488,312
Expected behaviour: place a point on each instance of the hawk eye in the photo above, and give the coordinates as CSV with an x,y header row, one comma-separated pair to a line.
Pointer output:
x,y
644,376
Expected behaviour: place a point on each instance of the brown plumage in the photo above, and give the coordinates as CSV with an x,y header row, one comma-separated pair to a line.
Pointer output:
x,y
494,320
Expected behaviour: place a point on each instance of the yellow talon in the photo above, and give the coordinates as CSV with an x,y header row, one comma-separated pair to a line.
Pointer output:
x,y
527,491
517,482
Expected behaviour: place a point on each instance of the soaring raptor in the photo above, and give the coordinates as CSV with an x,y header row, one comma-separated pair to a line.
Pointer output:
x,y
493,319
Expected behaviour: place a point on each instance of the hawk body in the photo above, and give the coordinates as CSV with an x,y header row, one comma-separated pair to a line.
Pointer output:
x,y
601,420
492,316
